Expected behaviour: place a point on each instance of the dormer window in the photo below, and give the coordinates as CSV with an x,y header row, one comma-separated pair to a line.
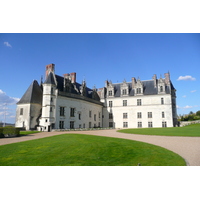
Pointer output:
x,y
110,93
124,92
161,88
139,91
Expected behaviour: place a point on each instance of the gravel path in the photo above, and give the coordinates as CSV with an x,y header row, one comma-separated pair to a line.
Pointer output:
x,y
187,147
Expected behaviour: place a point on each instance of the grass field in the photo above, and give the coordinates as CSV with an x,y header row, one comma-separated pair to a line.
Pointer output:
x,y
86,150
191,131
28,132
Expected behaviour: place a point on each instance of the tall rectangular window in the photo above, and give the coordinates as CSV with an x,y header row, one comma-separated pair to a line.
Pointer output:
x,y
21,111
79,116
61,124
62,111
138,90
124,92
163,114
124,102
90,124
95,117
72,112
110,124
149,114
164,124
110,116
150,124
90,113
110,93
162,100
110,103
125,124
139,115
139,124
125,115
71,124
139,102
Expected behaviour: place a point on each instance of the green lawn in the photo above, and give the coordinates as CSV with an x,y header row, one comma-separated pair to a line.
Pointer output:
x,y
191,131
28,132
86,150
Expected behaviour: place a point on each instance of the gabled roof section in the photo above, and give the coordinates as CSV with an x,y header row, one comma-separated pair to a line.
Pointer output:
x,y
50,79
32,95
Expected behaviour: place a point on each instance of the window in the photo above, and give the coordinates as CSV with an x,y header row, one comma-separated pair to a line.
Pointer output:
x,y
161,88
72,112
110,115
124,102
139,124
51,99
164,124
79,125
90,124
71,124
99,124
21,111
51,90
95,117
110,124
124,92
139,102
139,115
62,111
61,124
162,100
99,114
90,113
149,114
125,124
83,125
150,124
125,115
110,93
138,91
51,109
79,116
110,104
163,114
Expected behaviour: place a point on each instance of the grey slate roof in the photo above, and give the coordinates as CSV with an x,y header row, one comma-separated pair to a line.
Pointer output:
x,y
32,95
50,79
148,88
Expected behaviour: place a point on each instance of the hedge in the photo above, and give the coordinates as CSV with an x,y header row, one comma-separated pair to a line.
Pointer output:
x,y
9,131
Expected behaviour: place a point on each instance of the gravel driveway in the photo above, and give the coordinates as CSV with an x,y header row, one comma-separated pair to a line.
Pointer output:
x,y
186,147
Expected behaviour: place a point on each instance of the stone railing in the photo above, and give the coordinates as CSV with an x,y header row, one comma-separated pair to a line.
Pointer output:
x,y
185,123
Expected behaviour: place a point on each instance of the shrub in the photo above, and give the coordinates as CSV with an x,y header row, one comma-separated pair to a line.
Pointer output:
x,y
10,131
1,132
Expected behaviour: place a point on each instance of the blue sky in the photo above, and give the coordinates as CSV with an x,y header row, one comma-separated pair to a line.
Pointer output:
x,y
98,57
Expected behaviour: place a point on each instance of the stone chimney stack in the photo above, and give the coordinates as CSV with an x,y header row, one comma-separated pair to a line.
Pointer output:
x,y
167,78
49,68
133,82
155,80
73,77
67,76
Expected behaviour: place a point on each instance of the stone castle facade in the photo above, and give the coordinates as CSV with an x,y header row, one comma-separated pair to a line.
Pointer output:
x,y
62,103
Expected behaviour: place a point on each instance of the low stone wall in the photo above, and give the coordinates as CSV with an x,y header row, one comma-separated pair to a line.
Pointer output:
x,y
185,123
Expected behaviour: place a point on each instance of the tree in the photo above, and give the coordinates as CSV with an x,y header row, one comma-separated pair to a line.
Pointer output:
x,y
198,113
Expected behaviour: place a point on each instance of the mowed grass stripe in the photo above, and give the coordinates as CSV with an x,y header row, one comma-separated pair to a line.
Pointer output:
x,y
189,131
86,150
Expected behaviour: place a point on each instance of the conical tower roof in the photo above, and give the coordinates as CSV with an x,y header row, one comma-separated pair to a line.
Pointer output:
x,y
32,95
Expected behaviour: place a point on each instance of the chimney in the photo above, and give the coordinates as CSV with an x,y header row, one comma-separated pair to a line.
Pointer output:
x,y
155,80
49,68
67,76
167,78
73,77
133,82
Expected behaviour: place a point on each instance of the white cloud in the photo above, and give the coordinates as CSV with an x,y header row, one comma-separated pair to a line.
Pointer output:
x,y
7,100
193,91
186,107
186,78
7,44
184,96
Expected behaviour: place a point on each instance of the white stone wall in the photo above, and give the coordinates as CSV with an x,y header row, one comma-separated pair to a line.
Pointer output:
x,y
81,107
150,103
24,119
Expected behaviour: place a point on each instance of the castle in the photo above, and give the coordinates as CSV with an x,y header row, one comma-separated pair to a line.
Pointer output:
x,y
62,103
